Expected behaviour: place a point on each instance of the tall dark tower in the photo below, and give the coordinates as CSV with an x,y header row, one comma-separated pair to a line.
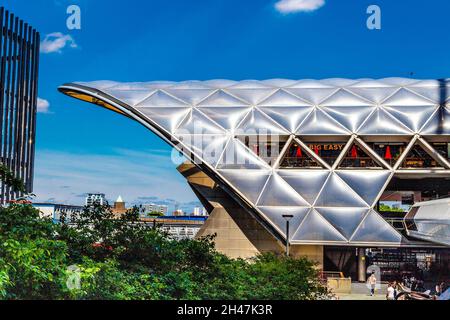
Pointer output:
x,y
19,66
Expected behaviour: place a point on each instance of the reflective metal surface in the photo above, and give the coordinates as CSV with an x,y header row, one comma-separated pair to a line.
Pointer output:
x,y
330,203
430,221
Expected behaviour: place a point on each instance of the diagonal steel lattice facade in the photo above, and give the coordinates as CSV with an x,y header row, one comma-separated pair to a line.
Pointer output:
x,y
331,204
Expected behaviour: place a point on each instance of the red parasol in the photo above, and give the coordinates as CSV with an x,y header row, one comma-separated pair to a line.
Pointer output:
x,y
354,152
388,155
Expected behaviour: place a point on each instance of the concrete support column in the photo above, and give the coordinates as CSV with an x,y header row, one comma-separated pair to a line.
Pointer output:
x,y
361,265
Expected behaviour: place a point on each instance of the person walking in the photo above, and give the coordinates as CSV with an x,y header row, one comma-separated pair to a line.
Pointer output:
x,y
396,287
439,288
372,281
390,294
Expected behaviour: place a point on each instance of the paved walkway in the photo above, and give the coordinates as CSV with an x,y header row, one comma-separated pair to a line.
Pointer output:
x,y
361,292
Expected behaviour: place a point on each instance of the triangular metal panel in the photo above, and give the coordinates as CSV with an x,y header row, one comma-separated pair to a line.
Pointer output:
x,y
414,117
399,82
252,96
336,193
190,85
275,215
198,123
376,95
307,183
439,95
319,123
345,220
227,117
130,97
160,99
282,98
375,229
279,193
381,123
439,123
191,96
249,183
237,156
338,82
219,83
208,147
344,98
222,99
314,96
349,117
407,98
257,123
279,83
288,117
250,84
167,118
316,228
311,84
366,183
369,83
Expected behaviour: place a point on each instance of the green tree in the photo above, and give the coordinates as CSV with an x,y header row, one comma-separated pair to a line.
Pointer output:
x,y
123,258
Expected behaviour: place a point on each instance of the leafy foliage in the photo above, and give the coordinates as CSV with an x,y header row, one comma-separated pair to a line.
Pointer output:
x,y
8,178
122,258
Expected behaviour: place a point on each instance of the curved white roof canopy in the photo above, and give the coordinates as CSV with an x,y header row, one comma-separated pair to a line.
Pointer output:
x,y
330,205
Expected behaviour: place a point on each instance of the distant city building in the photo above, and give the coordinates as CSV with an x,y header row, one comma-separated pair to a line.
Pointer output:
x,y
197,211
152,208
119,207
200,212
56,211
18,101
95,198
178,227
178,213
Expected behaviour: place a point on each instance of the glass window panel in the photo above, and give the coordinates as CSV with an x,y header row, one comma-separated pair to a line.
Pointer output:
x,y
418,158
296,157
328,151
358,158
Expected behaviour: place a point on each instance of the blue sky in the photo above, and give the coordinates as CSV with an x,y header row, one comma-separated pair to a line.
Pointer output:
x,y
81,148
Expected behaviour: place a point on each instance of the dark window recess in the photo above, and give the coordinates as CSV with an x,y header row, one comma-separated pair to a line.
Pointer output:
x,y
264,147
390,152
297,157
443,148
328,151
419,158
358,158
408,200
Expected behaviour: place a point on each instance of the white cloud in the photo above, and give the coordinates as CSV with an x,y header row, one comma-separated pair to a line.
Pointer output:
x,y
56,41
292,6
42,106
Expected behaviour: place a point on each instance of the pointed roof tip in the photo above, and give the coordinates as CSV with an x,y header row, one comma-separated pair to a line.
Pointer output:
x,y
119,200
